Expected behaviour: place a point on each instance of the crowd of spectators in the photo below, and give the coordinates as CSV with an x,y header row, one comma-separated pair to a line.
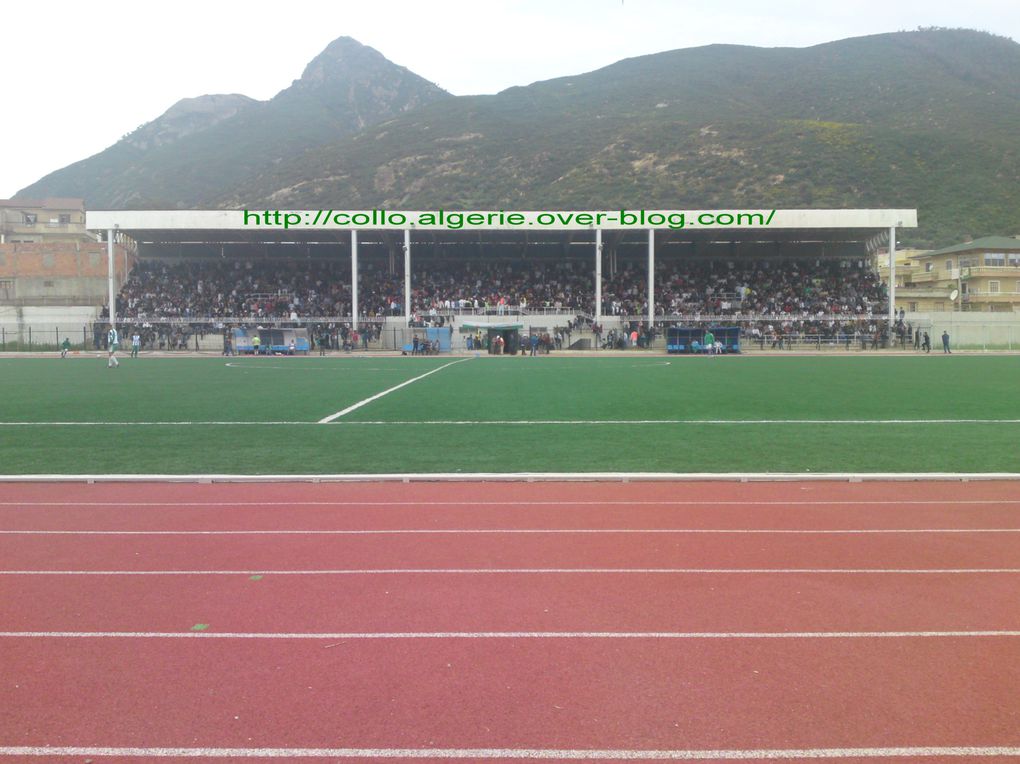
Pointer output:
x,y
764,287
308,288
248,288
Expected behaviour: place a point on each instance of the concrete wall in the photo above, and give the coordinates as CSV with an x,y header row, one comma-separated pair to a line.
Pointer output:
x,y
20,326
977,330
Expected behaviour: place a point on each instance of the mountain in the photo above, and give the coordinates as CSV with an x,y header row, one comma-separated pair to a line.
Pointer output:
x,y
203,147
922,119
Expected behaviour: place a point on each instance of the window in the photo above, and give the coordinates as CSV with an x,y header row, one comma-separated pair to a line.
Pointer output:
x,y
940,306
995,259
47,283
913,306
993,287
968,262
30,218
963,287
65,219
1014,260
927,267
1017,288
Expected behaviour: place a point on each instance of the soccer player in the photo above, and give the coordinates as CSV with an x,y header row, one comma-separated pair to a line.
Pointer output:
x,y
113,340
136,343
64,347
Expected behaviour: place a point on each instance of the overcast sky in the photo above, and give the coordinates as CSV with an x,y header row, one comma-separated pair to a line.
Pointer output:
x,y
83,74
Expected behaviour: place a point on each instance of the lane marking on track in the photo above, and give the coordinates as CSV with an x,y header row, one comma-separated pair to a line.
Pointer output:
x,y
519,753
497,531
377,396
505,634
505,422
528,571
243,504
516,477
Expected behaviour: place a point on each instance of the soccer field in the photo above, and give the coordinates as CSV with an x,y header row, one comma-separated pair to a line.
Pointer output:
x,y
160,415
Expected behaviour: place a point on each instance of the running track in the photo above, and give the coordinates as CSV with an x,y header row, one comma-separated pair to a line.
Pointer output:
x,y
563,621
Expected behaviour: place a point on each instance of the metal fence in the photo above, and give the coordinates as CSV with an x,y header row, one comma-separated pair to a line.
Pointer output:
x,y
334,334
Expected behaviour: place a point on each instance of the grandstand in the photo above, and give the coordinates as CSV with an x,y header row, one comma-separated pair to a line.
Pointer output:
x,y
808,273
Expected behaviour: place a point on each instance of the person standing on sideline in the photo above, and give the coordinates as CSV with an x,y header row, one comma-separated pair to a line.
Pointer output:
x,y
136,343
64,347
926,343
917,339
709,343
112,342
945,342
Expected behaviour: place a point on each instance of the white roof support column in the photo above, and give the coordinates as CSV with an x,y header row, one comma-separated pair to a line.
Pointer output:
x,y
892,277
407,276
113,292
651,278
354,279
598,275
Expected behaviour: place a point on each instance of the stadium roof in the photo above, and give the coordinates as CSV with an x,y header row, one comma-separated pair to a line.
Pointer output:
x,y
672,226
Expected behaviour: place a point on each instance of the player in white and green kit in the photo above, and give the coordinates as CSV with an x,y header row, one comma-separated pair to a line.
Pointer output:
x,y
113,342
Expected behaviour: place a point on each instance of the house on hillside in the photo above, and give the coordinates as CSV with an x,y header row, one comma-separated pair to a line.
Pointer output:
x,y
977,276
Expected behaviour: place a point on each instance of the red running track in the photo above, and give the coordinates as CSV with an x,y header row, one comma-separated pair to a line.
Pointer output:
x,y
524,694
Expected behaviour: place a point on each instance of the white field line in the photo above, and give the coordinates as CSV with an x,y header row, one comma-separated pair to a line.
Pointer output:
x,y
142,424
499,531
507,422
506,635
516,477
520,753
520,571
243,504
377,396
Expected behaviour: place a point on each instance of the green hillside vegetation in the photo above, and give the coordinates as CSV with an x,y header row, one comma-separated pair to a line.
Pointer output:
x,y
923,119
920,119
345,88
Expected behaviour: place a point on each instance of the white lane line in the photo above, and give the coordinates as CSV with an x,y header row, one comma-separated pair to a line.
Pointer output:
x,y
512,477
498,531
677,635
377,396
244,504
520,753
523,571
510,422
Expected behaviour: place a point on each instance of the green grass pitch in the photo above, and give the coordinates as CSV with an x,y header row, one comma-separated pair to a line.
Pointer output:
x,y
547,414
